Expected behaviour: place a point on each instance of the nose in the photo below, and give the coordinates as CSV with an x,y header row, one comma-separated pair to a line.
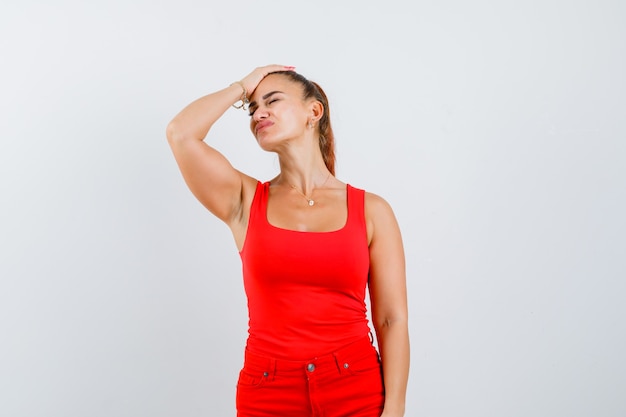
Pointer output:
x,y
259,114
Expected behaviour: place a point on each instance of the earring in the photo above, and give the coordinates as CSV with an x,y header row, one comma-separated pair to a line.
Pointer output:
x,y
310,124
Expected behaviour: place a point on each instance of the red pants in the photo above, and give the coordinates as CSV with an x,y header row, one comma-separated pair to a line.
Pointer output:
x,y
345,383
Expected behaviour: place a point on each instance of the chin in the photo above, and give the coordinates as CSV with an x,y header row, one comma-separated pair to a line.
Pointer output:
x,y
268,142
265,144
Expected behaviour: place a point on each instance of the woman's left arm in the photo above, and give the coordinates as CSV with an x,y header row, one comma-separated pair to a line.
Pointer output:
x,y
387,287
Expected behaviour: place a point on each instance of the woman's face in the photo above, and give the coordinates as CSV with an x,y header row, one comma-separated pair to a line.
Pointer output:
x,y
277,112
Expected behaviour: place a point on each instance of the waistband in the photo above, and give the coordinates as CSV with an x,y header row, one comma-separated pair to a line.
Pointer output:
x,y
338,359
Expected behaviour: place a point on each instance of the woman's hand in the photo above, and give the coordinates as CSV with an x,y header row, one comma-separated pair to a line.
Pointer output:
x,y
252,80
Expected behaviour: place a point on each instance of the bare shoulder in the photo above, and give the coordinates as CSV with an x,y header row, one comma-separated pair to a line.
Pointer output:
x,y
376,202
377,208
379,215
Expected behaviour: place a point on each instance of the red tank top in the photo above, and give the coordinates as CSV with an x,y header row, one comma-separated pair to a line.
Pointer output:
x,y
306,290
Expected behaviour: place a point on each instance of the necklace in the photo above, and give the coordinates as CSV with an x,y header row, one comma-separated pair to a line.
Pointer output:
x,y
309,199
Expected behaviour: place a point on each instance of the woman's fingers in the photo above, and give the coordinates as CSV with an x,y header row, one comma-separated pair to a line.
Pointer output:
x,y
252,80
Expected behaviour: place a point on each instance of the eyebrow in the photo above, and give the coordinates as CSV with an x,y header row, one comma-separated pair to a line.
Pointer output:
x,y
268,95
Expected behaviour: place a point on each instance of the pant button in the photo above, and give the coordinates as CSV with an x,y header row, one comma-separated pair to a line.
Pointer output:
x,y
310,367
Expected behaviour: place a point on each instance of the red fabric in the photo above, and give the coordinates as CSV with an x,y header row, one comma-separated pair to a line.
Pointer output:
x,y
306,290
344,383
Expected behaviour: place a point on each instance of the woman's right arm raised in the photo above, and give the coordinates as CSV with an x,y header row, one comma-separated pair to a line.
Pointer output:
x,y
208,174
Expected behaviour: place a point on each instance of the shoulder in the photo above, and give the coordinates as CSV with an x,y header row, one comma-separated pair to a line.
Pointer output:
x,y
379,215
376,203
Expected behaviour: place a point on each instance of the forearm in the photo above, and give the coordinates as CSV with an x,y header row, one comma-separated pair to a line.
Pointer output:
x,y
195,120
393,342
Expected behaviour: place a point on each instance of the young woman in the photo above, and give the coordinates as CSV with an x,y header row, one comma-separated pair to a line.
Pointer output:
x,y
310,246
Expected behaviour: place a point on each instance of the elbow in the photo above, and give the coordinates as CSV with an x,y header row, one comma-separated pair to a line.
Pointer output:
x,y
178,133
173,133
391,321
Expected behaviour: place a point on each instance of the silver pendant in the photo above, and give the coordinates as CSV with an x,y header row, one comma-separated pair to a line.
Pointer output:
x,y
311,202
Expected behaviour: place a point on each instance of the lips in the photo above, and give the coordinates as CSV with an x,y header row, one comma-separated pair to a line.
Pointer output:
x,y
262,125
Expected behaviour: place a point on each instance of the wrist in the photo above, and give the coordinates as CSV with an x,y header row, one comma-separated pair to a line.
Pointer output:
x,y
393,410
391,414
243,102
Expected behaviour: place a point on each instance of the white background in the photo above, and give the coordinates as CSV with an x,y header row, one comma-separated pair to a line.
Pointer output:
x,y
496,130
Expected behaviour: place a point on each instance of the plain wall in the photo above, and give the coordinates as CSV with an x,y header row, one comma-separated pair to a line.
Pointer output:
x,y
496,130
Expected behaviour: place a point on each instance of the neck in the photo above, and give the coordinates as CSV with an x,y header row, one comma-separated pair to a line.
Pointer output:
x,y
305,170
304,181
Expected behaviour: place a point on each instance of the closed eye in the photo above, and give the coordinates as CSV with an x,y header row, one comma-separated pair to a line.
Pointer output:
x,y
268,103
270,96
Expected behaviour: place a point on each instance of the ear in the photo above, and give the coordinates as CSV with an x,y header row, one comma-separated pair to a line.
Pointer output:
x,y
317,110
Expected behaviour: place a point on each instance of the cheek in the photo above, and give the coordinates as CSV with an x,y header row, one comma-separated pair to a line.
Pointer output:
x,y
296,120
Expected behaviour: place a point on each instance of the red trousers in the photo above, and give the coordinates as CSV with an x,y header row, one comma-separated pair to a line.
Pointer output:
x,y
345,383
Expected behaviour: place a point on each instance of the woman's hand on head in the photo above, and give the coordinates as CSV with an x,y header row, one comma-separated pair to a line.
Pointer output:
x,y
252,80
